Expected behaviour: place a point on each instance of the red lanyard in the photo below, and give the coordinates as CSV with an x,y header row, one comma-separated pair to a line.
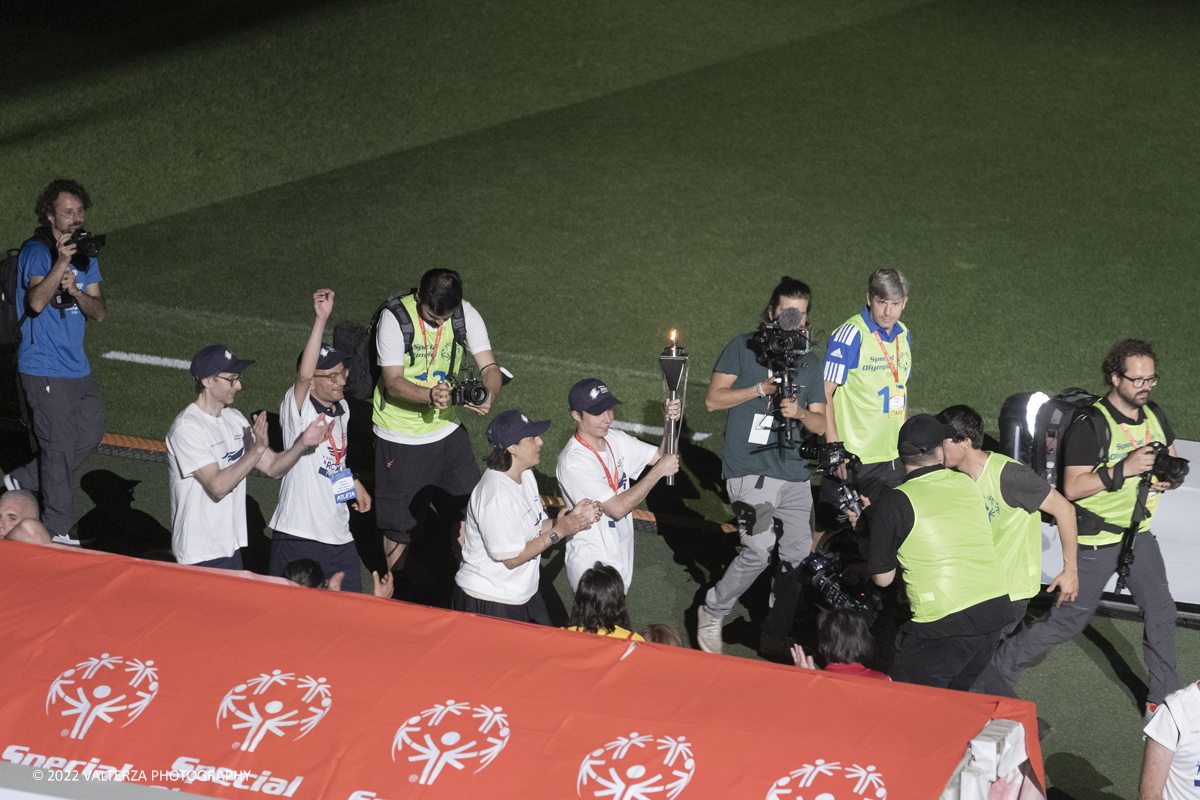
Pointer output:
x,y
895,371
436,342
612,480
1129,435
338,454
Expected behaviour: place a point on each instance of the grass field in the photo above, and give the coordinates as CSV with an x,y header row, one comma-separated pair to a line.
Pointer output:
x,y
601,175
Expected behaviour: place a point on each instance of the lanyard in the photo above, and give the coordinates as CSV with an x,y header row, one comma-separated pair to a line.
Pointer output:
x,y
895,371
612,480
1129,435
338,454
437,341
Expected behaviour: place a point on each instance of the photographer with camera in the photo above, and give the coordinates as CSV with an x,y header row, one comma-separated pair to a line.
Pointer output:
x,y
420,449
1118,458
868,361
935,526
58,289
766,390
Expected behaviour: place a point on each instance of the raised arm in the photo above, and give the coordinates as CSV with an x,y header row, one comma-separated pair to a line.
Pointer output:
x,y
323,306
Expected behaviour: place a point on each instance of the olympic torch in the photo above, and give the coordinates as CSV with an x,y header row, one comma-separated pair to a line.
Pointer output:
x,y
674,365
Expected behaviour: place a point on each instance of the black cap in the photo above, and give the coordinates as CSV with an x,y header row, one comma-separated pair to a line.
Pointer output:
x,y
591,396
215,359
511,427
923,434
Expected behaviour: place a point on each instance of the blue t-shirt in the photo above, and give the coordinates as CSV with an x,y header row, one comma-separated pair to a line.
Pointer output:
x,y
52,341
739,458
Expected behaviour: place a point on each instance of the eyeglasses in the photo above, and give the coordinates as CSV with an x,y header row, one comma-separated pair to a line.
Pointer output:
x,y
235,379
341,376
1138,383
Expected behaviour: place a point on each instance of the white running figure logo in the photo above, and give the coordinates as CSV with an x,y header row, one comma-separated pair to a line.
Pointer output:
x,y
449,750
315,697
87,702
867,782
628,768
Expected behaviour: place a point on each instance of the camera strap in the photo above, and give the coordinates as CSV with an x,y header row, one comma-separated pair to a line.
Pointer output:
x,y
429,359
608,476
1129,435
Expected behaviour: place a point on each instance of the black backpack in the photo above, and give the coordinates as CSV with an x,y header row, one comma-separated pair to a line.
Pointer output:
x,y
359,341
1054,419
11,316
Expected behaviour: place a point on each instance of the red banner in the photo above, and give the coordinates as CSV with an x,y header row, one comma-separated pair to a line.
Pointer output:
x,y
232,687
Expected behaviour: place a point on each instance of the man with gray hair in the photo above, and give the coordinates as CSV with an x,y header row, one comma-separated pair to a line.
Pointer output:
x,y
867,365
19,518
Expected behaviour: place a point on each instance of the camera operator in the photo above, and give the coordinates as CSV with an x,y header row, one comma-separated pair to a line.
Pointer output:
x,y
1114,472
58,289
765,483
868,361
420,447
935,526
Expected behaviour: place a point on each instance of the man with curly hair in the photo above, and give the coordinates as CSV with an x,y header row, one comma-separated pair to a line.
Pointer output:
x,y
58,290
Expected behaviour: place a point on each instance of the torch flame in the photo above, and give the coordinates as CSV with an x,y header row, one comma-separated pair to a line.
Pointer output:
x,y
672,336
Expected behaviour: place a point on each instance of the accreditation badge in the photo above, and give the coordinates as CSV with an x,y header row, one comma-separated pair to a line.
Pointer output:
x,y
760,431
343,486
897,402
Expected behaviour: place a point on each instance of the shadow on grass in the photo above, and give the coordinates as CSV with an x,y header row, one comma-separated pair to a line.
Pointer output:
x,y
1108,657
1075,778
114,525
96,37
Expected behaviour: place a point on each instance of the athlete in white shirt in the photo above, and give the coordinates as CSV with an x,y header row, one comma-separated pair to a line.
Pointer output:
x,y
599,462
211,450
507,528
1172,767
312,519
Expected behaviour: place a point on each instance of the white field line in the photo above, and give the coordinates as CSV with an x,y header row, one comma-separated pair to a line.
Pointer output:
x,y
157,361
633,427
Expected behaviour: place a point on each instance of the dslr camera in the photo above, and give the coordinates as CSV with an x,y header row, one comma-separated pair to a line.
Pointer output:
x,y
1167,468
87,243
469,391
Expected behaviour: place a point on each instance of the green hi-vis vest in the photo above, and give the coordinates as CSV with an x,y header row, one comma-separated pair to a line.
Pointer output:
x,y
1016,533
949,560
869,406
1117,507
426,369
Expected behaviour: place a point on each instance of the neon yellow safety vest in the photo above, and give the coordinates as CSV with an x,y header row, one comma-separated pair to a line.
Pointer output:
x,y
426,369
872,405
1016,533
949,560
1117,507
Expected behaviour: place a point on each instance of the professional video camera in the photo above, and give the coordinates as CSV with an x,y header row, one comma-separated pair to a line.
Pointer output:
x,y
822,570
1167,468
780,345
468,391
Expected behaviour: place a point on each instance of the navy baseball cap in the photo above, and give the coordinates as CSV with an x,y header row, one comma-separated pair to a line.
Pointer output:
x,y
328,357
511,427
215,359
591,396
923,434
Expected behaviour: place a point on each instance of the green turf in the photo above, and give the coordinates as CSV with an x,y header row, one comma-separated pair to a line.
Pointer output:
x,y
602,175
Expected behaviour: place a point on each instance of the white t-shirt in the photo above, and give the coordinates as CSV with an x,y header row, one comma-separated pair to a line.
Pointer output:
x,y
581,477
502,516
1176,726
306,505
389,343
202,530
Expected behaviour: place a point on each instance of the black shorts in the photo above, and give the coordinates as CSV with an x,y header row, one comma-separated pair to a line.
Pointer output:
x,y
411,477
333,558
534,610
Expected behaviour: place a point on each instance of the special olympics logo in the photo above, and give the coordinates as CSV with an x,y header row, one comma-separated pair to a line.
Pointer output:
x,y
283,700
828,780
444,736
629,768
86,691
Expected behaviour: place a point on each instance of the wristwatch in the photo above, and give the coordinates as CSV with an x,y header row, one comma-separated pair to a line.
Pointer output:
x,y
554,537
